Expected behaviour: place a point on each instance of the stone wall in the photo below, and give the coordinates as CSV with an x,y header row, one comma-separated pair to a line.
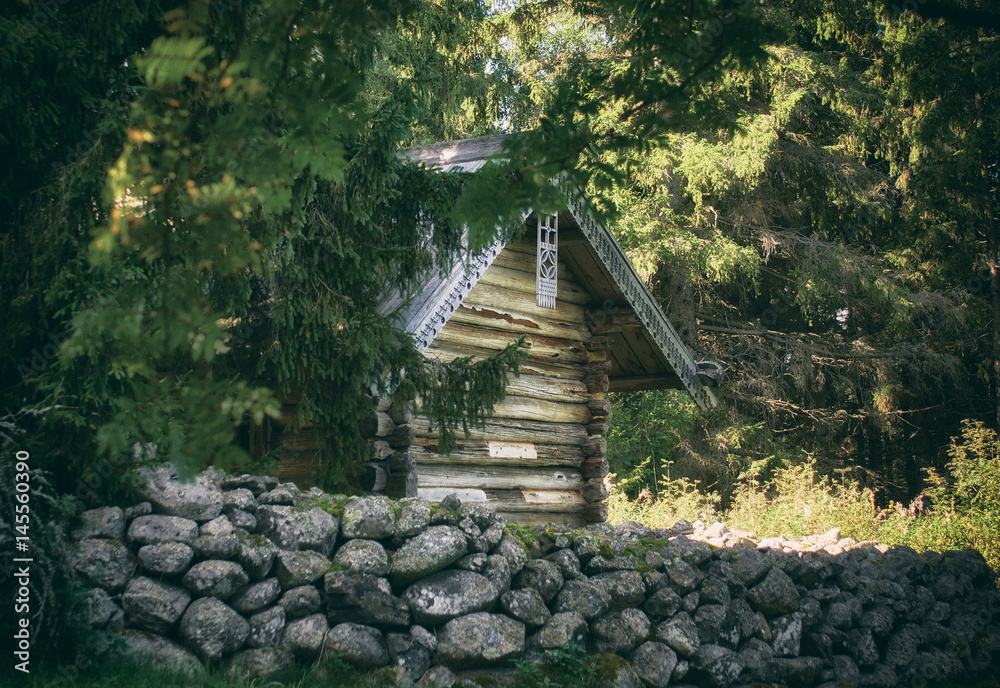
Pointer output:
x,y
257,575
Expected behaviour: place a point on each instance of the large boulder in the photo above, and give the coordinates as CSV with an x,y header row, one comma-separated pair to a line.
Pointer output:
x,y
166,558
156,652
211,628
619,632
428,552
153,605
365,599
296,529
267,628
364,556
362,646
256,596
542,576
215,578
106,522
480,639
527,606
369,518
256,555
199,499
583,597
305,636
107,563
775,595
299,568
447,594
561,629
156,528
654,663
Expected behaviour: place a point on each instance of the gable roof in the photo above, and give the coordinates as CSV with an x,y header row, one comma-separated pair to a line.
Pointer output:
x,y
648,354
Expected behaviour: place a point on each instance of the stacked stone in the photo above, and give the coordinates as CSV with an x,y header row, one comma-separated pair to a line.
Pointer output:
x,y
261,575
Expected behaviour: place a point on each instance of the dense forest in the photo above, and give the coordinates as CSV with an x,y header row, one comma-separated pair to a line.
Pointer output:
x,y
201,204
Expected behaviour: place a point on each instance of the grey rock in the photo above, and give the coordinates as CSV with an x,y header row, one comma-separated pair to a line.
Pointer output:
x,y
709,618
861,647
513,550
156,528
662,604
105,563
364,556
583,597
153,605
256,484
267,628
718,666
483,514
365,599
492,536
689,603
166,558
561,629
100,609
240,498
242,519
304,637
256,556
775,595
619,632
428,552
751,624
215,547
682,576
527,606
624,588
281,495
654,663
845,670
715,591
787,635
750,565
261,664
437,677
359,645
542,576
211,628
599,564
500,571
568,563
799,672
256,596
157,652
680,633
691,551
301,601
879,620
198,500
215,578
414,517
105,522
136,510
480,639
299,568
473,562
369,518
408,654
447,594
293,528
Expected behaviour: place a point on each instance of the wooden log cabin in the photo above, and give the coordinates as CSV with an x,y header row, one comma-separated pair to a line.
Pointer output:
x,y
592,327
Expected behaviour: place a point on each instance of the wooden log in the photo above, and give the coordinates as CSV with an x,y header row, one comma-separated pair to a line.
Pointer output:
x,y
598,344
299,467
509,319
477,454
600,355
599,408
499,477
603,322
382,404
376,424
401,412
436,494
514,430
401,485
522,256
595,446
306,439
462,337
595,490
379,450
594,468
522,408
402,436
598,426
597,384
596,367
402,462
533,518
489,295
563,370
547,388
537,500
519,280
596,512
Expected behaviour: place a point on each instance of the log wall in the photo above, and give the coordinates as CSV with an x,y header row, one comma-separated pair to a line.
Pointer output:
x,y
540,458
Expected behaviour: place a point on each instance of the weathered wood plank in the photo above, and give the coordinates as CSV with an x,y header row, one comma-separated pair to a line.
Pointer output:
x,y
523,257
641,382
464,336
565,370
524,408
518,280
306,439
509,319
532,518
514,430
548,388
490,295
478,453
537,500
499,477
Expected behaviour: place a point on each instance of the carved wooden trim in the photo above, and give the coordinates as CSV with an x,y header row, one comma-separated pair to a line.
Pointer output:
x,y
547,272
636,293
